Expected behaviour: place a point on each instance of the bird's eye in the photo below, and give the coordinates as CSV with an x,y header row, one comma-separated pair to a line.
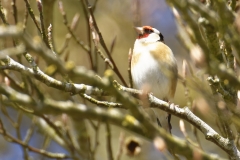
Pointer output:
x,y
148,31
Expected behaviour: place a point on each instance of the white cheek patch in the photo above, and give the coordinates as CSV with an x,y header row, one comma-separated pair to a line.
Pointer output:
x,y
153,37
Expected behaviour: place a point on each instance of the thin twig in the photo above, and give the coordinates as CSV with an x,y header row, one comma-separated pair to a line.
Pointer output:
x,y
70,30
30,11
19,136
121,145
43,30
96,138
102,103
109,145
25,20
86,15
129,68
101,40
15,11
2,15
5,112
30,132
50,38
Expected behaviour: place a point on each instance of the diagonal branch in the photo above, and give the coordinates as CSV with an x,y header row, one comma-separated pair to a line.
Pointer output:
x,y
187,115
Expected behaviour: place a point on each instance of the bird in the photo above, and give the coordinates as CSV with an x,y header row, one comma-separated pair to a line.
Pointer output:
x,y
153,64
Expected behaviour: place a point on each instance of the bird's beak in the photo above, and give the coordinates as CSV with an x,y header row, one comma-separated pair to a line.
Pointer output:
x,y
139,30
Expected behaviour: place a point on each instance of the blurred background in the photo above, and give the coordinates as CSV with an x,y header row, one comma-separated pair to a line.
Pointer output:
x,y
116,19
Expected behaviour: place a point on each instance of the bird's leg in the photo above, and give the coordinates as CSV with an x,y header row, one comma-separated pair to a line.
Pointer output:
x,y
159,123
169,120
170,128
169,123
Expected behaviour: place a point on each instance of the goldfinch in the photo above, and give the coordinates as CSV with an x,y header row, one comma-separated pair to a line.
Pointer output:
x,y
153,64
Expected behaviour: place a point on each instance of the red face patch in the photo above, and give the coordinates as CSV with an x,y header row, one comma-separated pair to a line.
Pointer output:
x,y
144,35
146,31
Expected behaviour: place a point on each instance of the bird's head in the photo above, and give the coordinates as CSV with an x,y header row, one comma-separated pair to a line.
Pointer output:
x,y
149,34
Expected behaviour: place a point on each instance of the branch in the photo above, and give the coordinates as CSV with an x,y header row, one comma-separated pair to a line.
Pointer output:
x,y
183,113
187,115
49,81
142,127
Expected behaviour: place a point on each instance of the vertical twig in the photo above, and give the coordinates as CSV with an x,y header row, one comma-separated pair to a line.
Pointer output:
x,y
25,19
109,145
113,44
43,30
129,68
101,40
14,11
2,129
96,138
111,49
70,30
19,136
195,132
94,64
50,38
30,132
121,145
4,111
28,137
2,15
30,11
